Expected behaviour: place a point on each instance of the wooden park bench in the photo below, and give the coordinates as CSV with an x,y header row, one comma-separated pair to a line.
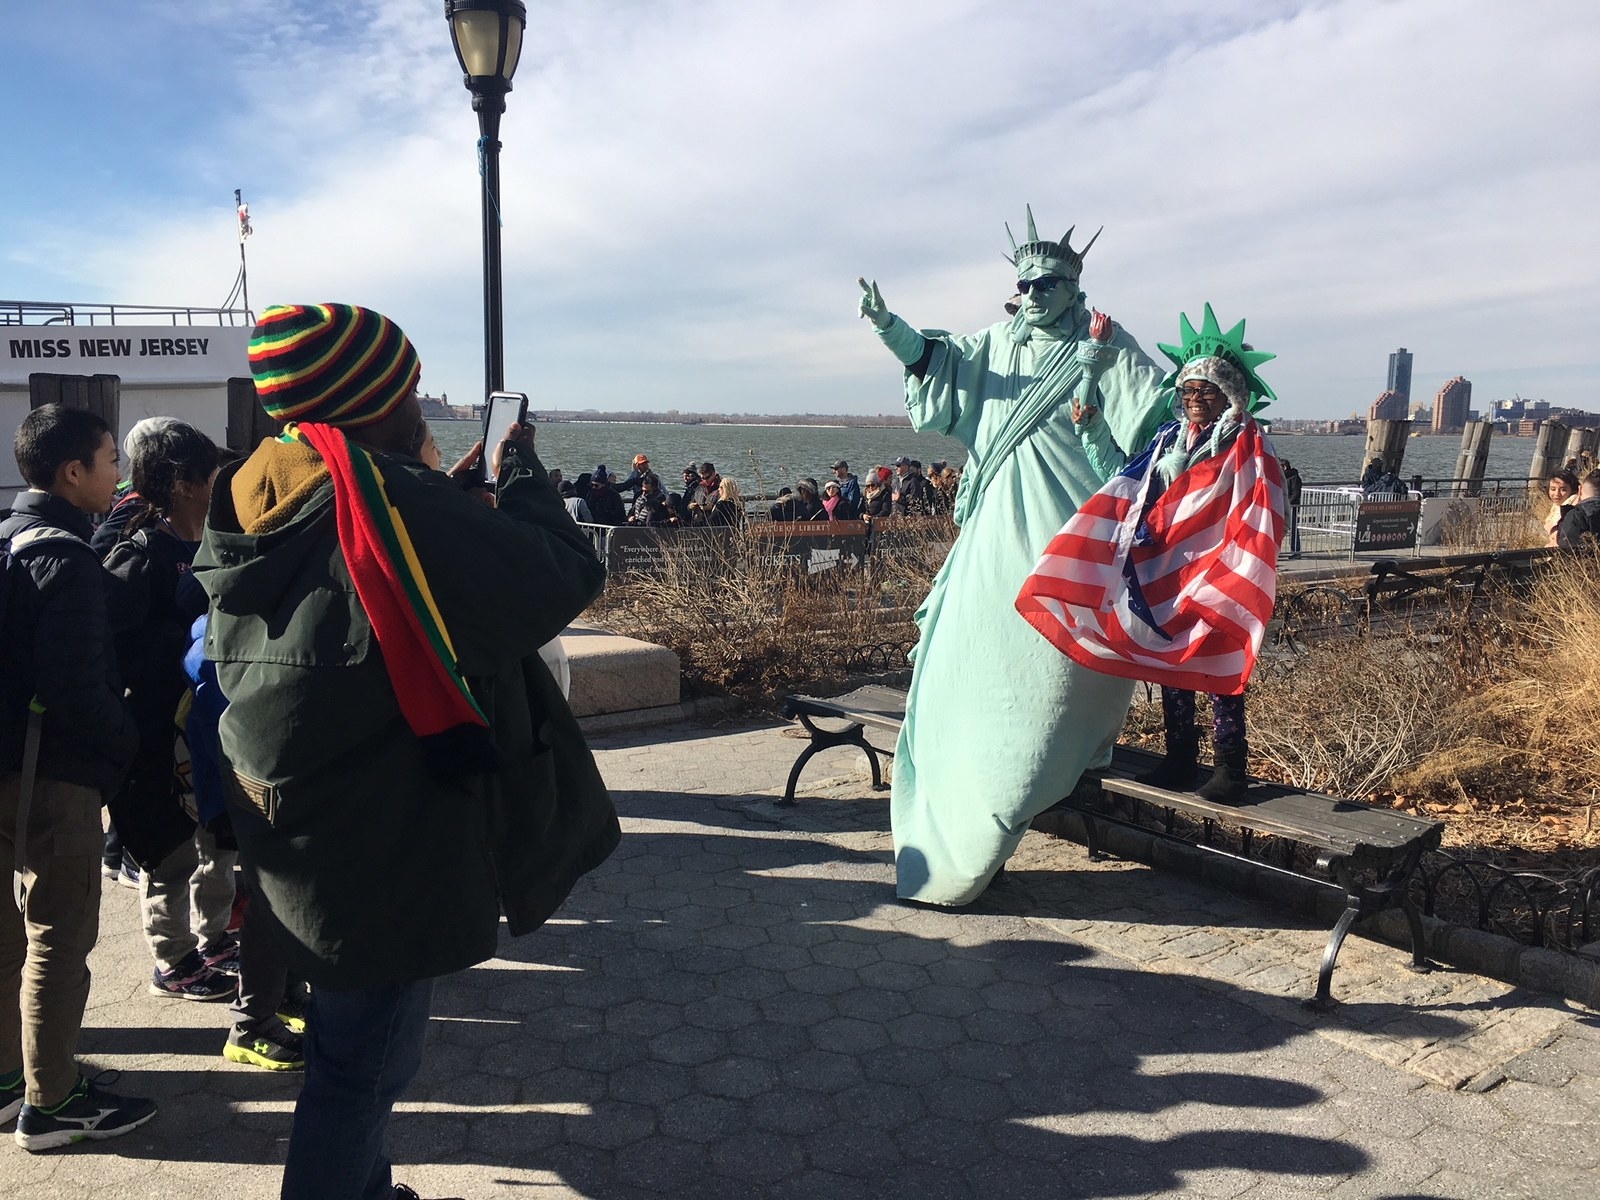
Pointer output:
x,y
1368,854
881,708
1454,576
1397,590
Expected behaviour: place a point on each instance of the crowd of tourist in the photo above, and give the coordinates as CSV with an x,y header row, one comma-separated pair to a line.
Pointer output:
x,y
193,706
703,497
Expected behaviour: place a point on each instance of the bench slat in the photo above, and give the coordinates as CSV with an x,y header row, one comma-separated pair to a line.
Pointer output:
x,y
1326,822
884,707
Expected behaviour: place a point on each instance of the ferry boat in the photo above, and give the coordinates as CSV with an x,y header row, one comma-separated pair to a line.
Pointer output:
x,y
128,362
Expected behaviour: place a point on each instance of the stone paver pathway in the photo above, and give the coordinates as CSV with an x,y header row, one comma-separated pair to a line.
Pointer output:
x,y
735,1006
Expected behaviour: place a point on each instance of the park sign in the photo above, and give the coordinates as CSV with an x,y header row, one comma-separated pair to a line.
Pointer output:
x,y
1387,524
136,354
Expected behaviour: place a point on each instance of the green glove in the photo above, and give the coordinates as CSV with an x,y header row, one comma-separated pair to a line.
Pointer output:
x,y
904,342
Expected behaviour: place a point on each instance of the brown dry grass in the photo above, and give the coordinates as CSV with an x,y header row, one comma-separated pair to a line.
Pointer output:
x,y
1521,759
1488,724
1504,521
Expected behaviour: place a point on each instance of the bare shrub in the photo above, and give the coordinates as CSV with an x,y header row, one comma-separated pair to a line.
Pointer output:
x,y
748,623
1351,712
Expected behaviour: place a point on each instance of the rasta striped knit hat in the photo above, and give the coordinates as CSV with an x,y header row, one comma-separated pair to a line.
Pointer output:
x,y
334,364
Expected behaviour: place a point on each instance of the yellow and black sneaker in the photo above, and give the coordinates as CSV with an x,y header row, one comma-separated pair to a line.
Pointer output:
x,y
292,1012
270,1048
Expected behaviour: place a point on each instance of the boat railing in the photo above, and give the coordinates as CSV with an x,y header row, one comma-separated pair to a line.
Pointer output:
x,y
44,312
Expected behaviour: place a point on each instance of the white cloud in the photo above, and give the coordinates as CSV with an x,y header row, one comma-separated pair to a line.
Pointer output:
x,y
691,189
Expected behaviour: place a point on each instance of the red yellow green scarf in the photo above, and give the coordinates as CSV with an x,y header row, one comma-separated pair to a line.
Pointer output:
x,y
393,589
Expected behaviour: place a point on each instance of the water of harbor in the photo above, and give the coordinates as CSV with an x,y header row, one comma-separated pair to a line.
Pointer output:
x,y
763,458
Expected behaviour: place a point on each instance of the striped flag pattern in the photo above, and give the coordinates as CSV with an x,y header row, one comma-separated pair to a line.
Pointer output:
x,y
1179,594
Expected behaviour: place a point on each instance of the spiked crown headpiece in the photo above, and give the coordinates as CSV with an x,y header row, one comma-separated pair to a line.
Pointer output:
x,y
1051,258
1230,347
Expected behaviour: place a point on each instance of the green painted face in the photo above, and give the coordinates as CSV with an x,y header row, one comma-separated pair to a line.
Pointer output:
x,y
1046,297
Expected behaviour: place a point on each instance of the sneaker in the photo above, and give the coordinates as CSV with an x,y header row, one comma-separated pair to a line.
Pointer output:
x,y
272,1049
109,871
191,979
222,955
11,1097
128,877
293,1014
88,1114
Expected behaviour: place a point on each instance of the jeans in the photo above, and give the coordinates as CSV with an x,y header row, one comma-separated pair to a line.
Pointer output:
x,y
363,1048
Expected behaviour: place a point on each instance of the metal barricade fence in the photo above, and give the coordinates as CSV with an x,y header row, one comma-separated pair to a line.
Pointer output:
x,y
599,537
1327,520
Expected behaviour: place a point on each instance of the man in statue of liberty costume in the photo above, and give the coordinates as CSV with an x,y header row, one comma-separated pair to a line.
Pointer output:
x,y
999,724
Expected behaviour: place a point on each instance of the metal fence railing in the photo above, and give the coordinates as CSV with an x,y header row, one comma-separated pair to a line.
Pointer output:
x,y
1326,520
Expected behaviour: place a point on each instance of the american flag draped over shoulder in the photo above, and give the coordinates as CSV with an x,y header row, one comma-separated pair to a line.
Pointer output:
x,y
1179,594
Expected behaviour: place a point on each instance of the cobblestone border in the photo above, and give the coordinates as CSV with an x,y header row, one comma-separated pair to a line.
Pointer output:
x,y
1571,976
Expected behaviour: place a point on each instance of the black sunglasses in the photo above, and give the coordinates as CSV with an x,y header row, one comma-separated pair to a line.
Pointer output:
x,y
1044,283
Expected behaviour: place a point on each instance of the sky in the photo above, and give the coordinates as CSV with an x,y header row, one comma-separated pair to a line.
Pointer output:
x,y
691,187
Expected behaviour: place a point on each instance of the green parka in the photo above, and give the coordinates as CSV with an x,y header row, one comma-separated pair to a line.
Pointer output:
x,y
372,868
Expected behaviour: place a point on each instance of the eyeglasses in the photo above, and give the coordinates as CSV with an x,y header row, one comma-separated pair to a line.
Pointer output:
x,y
1044,283
1202,391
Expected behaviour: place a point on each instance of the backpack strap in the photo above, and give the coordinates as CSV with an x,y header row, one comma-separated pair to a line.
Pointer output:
x,y
18,542
30,775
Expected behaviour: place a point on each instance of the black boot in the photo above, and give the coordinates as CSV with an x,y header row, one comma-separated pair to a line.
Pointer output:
x,y
1230,777
1177,770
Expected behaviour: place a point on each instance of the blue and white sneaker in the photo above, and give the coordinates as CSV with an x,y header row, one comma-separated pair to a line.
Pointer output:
x,y
88,1114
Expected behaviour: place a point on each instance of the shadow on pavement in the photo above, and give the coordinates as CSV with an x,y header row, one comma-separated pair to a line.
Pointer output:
x,y
721,1012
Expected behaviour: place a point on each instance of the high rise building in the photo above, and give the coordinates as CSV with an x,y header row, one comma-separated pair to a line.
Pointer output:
x,y
1451,405
1400,374
1390,406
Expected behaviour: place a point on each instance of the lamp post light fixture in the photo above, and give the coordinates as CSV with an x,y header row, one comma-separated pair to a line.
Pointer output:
x,y
487,36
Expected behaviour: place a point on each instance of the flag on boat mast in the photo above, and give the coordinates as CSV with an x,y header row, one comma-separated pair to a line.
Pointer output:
x,y
245,229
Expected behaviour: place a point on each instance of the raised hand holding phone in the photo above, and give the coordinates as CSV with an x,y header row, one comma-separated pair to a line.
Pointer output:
x,y
504,412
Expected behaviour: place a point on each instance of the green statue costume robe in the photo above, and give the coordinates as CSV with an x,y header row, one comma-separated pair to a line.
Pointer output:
x,y
1000,724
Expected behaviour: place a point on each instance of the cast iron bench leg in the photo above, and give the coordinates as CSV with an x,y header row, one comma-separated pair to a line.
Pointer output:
x,y
1323,1000
1419,959
826,739
1091,837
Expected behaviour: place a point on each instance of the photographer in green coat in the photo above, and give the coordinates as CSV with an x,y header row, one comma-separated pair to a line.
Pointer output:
x,y
405,769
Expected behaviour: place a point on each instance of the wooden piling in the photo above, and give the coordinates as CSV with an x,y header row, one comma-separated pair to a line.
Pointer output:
x,y
1474,457
1549,451
1387,440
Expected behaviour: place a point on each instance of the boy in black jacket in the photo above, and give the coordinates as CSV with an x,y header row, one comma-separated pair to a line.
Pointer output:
x,y
66,739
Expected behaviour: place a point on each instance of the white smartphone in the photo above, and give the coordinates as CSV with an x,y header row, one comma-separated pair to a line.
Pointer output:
x,y
504,410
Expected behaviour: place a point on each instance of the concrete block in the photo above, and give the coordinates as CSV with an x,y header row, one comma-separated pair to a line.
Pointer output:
x,y
612,673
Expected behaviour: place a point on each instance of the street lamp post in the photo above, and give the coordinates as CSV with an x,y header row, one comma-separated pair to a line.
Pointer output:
x,y
487,35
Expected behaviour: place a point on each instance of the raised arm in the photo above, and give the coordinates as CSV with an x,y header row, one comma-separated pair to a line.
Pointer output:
x,y
904,342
